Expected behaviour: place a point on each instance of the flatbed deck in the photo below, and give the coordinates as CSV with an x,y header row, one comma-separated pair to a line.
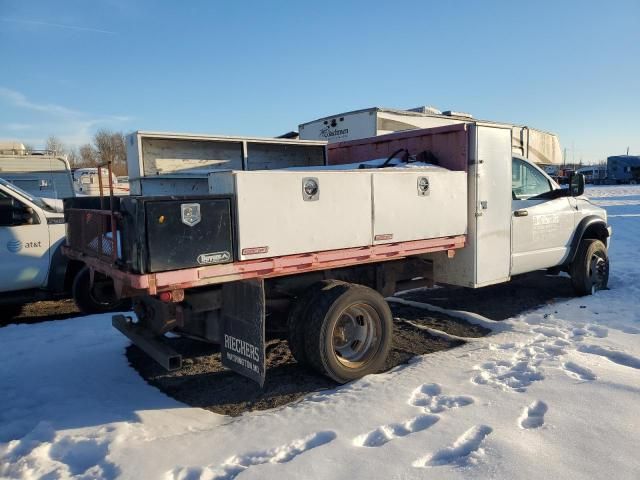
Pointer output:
x,y
133,284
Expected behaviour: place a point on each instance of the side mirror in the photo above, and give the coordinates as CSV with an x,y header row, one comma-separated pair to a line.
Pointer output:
x,y
576,184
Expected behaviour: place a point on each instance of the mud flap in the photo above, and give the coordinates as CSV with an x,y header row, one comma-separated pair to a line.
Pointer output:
x,y
243,348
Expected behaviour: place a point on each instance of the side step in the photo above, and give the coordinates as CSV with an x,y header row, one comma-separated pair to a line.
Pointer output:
x,y
149,344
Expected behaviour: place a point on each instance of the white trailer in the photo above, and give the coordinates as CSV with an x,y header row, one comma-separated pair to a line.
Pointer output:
x,y
538,146
86,182
325,245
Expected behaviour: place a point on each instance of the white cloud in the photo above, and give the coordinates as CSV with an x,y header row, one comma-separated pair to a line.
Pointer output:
x,y
19,100
73,127
39,23
17,127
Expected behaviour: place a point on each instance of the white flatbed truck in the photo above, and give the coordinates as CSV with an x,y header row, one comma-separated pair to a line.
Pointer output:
x,y
326,245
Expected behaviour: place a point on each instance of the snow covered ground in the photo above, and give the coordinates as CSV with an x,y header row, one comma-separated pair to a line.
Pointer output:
x,y
552,393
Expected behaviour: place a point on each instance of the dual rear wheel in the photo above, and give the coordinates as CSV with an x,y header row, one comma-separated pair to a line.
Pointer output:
x,y
341,330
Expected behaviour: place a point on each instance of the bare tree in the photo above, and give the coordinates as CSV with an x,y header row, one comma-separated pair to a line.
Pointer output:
x,y
110,147
73,155
55,145
88,156
106,146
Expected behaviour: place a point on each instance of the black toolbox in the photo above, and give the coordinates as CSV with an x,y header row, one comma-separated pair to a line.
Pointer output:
x,y
171,233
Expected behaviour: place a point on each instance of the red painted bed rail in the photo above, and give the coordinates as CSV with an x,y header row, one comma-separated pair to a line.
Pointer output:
x,y
153,283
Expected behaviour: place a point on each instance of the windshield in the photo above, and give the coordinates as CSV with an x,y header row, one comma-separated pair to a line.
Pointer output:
x,y
35,200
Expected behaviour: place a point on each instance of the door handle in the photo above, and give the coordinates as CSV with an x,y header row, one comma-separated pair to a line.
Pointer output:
x,y
520,213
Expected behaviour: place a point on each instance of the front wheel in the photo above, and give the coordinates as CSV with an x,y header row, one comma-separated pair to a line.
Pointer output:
x,y
590,268
349,332
97,298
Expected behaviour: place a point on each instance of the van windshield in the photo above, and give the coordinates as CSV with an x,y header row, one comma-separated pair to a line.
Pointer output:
x,y
36,200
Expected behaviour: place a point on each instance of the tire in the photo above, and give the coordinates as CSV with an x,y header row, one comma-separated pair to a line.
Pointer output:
x,y
590,268
298,319
99,299
349,332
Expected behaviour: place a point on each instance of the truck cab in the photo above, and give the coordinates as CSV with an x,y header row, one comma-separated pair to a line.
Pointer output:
x,y
32,232
549,223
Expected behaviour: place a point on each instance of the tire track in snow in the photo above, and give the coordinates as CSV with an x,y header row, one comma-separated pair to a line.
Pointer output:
x,y
467,448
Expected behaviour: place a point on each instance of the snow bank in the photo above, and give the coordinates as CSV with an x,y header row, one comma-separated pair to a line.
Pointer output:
x,y
552,393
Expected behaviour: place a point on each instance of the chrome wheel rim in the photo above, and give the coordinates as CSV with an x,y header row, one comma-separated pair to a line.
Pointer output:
x,y
598,271
356,335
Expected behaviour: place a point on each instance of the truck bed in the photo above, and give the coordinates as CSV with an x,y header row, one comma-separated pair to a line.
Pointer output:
x,y
134,284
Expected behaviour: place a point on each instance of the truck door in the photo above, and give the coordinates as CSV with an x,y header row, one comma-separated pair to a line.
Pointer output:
x,y
541,227
24,244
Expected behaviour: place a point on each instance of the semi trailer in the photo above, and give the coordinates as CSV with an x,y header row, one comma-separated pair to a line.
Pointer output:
x,y
324,245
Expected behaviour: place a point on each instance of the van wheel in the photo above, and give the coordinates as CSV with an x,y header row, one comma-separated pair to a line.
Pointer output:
x,y
349,332
298,319
100,298
590,269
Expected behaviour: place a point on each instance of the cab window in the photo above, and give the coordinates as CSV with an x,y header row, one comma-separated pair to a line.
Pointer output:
x,y
14,213
527,181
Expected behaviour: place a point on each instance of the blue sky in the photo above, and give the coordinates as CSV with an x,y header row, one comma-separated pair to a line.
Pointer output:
x,y
261,68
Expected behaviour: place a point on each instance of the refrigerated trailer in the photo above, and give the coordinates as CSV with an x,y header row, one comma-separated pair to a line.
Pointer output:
x,y
324,245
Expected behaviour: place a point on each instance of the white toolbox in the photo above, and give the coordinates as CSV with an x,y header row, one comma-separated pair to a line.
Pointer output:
x,y
275,217
287,212
418,203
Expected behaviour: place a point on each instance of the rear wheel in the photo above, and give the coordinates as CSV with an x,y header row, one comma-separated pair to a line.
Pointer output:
x,y
349,332
97,298
590,269
298,319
